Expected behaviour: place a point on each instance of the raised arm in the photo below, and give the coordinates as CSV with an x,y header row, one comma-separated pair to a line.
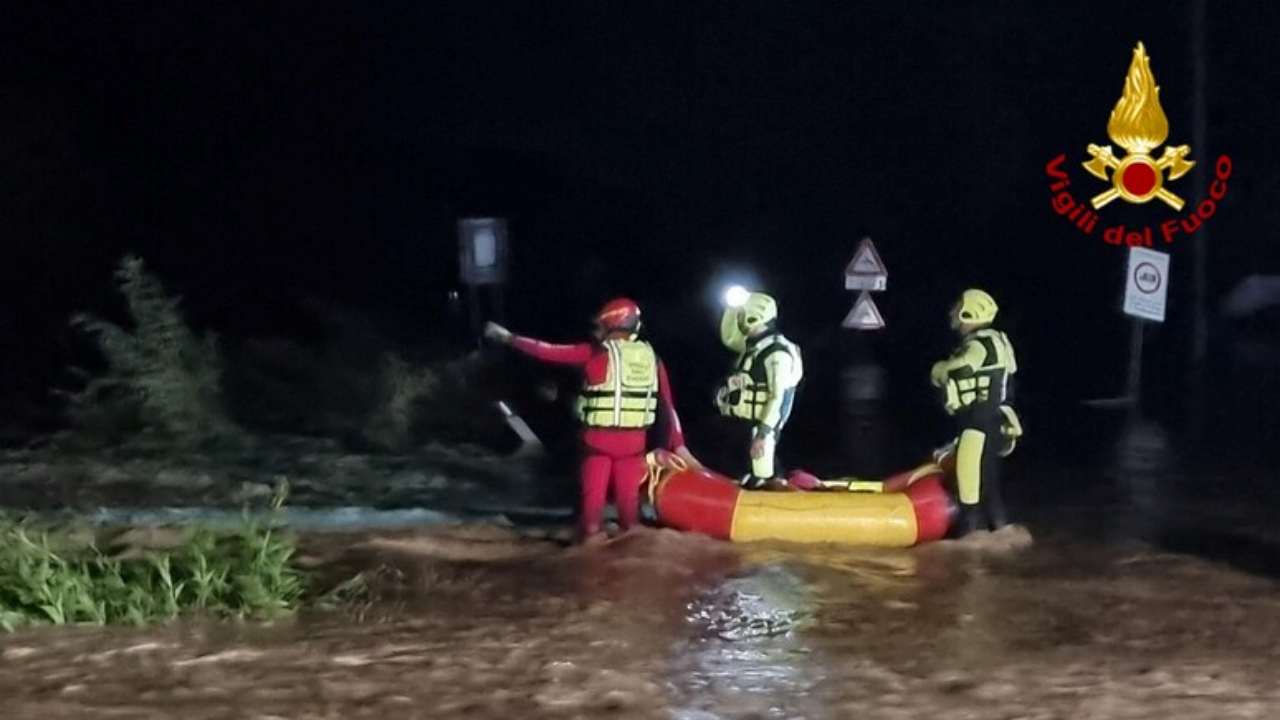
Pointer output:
x,y
577,354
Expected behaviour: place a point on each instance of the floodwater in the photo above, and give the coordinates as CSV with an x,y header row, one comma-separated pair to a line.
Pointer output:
x,y
1123,604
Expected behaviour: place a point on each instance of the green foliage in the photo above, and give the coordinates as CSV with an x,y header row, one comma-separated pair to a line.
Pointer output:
x,y
43,580
160,376
403,387
359,594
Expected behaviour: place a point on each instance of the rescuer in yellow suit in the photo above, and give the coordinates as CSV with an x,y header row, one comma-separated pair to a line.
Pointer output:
x,y
762,387
976,382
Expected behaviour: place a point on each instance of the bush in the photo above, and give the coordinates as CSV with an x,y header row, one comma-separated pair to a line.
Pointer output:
x,y
462,407
44,580
403,388
373,396
350,383
160,378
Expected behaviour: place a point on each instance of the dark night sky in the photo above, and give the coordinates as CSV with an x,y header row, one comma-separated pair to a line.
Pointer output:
x,y
254,155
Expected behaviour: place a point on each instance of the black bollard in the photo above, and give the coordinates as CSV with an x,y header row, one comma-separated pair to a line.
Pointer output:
x,y
863,391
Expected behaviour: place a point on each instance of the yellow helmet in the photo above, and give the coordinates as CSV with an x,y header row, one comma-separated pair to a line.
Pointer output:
x,y
758,310
975,307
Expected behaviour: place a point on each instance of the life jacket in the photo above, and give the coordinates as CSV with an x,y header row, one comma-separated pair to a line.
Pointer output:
x,y
746,391
987,384
628,397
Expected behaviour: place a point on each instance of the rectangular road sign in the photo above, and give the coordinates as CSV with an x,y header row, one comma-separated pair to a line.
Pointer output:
x,y
1147,284
482,250
865,282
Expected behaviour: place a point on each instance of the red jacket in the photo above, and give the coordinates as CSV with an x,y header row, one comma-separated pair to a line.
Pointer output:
x,y
594,361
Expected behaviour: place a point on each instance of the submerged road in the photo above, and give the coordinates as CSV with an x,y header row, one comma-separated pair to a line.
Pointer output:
x,y
1137,589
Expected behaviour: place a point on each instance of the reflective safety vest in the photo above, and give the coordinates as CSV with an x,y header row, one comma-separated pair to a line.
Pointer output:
x,y
746,392
988,383
628,397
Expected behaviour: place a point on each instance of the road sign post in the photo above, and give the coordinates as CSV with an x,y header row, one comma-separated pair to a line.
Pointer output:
x,y
863,380
1146,291
1134,384
482,250
1146,284
482,261
865,272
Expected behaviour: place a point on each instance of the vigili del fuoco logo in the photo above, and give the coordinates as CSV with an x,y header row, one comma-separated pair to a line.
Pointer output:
x,y
1139,126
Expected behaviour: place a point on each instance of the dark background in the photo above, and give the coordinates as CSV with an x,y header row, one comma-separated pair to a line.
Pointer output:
x,y
260,154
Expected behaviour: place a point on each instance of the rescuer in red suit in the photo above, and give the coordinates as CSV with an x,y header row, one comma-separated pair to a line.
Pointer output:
x,y
625,388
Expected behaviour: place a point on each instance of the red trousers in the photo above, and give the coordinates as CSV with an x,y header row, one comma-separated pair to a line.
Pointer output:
x,y
611,458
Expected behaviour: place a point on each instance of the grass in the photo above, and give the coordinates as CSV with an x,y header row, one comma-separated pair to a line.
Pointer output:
x,y
46,578
361,593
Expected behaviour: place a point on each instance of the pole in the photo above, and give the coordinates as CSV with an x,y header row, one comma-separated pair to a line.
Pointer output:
x,y
499,303
473,299
1199,330
1135,368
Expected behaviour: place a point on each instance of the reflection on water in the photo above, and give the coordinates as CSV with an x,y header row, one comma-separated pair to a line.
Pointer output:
x,y
765,603
1144,447
1145,463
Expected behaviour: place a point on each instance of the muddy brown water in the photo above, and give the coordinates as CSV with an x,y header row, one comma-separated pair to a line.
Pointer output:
x,y
478,621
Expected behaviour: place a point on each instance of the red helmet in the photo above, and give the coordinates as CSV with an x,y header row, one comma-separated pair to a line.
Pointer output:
x,y
619,315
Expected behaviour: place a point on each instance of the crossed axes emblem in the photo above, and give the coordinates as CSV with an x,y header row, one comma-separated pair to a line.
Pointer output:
x,y
1174,160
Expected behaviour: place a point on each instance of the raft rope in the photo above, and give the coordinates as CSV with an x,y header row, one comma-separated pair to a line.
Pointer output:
x,y
660,471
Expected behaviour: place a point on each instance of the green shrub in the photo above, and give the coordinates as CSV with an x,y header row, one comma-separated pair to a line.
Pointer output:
x,y
160,377
403,388
44,578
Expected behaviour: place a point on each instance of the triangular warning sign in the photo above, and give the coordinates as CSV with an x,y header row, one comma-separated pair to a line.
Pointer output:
x,y
864,315
866,261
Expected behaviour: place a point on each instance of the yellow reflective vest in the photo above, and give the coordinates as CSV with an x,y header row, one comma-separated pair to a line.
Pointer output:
x,y
628,397
979,371
746,393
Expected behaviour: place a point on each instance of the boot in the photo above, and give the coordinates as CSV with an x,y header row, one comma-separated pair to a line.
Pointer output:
x,y
969,520
997,514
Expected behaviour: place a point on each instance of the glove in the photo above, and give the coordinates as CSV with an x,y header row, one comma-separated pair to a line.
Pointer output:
x,y
497,333
938,374
1010,429
951,400
1010,425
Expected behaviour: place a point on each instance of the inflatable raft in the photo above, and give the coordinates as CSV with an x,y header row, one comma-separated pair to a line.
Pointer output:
x,y
906,509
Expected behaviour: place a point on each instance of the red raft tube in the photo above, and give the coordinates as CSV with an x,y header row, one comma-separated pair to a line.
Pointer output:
x,y
904,510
